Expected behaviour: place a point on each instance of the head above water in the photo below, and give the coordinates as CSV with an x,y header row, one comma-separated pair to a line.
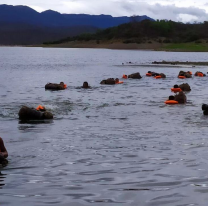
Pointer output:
x,y
175,86
117,80
85,85
62,83
171,97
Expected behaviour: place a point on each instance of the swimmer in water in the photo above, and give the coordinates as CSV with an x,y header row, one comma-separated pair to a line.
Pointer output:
x,y
86,85
117,80
171,97
3,152
180,97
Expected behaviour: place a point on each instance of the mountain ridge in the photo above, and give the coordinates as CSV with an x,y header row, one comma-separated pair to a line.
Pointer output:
x,y
22,25
25,14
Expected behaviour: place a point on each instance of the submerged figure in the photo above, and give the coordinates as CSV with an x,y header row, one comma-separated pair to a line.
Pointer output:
x,y
135,76
109,81
176,89
180,98
162,75
117,81
171,100
205,109
159,75
54,86
187,74
185,87
150,74
86,86
27,113
3,153
199,74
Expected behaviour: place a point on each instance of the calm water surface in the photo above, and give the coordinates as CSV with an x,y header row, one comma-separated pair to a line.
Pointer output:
x,y
109,145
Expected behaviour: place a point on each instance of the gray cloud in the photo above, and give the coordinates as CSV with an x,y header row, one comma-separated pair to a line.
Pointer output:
x,y
186,10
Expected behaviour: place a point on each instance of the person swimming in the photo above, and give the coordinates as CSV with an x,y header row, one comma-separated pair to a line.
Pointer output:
x,y
180,97
176,89
171,97
86,85
3,153
171,100
54,86
135,76
205,109
27,113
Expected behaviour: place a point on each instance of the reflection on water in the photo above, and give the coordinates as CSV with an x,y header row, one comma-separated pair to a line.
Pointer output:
x,y
2,178
117,145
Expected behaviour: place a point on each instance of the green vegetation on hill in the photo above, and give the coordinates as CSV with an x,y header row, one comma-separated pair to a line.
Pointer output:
x,y
146,31
197,47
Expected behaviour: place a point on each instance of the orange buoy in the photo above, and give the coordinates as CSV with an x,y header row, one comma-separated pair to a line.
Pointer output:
x,y
171,102
158,77
181,77
176,90
40,108
124,76
65,86
148,74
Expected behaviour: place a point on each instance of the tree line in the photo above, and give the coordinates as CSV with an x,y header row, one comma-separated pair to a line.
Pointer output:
x,y
135,32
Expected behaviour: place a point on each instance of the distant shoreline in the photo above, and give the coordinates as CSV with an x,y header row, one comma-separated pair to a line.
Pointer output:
x,y
119,45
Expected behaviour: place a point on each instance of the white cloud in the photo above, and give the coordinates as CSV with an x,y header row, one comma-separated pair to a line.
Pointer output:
x,y
37,8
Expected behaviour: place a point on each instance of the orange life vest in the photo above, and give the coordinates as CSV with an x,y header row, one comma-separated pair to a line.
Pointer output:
x,y
40,107
120,82
158,77
190,72
200,74
181,77
171,102
124,76
65,86
148,74
176,90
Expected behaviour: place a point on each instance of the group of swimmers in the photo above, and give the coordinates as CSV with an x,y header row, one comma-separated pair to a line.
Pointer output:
x,y
41,113
180,97
27,113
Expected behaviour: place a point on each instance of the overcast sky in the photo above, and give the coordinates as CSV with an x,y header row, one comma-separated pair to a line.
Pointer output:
x,y
177,10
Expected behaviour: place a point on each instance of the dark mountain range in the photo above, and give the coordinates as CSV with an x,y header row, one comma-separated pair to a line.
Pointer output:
x,y
23,25
27,34
24,14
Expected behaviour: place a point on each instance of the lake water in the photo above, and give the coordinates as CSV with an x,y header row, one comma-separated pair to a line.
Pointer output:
x,y
109,145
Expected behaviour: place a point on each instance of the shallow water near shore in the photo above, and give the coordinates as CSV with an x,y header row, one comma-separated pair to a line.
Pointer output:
x,y
109,145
